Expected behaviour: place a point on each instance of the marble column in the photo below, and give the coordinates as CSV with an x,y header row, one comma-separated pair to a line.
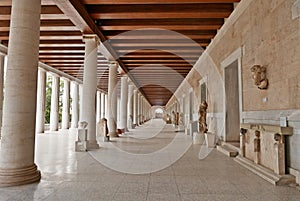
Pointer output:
x,y
105,106
54,115
102,104
1,86
41,101
18,129
88,107
75,105
112,99
135,108
130,107
65,124
98,112
124,103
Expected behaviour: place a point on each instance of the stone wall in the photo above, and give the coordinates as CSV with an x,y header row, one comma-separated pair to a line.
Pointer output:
x,y
266,33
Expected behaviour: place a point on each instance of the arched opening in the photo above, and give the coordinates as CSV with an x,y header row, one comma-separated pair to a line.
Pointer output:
x,y
159,113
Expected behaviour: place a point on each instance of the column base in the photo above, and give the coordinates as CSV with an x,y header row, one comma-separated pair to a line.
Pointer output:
x,y
113,134
16,177
92,145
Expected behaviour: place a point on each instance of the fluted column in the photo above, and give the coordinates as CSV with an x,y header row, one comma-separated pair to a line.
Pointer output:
x,y
75,105
105,106
124,103
18,129
130,107
88,107
102,105
135,107
41,101
65,124
1,86
54,115
98,112
112,99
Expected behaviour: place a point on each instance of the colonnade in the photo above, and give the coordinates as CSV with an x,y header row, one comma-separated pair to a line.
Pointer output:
x,y
25,94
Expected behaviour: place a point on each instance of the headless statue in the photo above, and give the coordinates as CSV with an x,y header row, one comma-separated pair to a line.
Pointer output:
x,y
202,117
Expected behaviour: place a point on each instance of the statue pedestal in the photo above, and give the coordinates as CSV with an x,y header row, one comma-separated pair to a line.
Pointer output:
x,y
210,139
198,138
81,144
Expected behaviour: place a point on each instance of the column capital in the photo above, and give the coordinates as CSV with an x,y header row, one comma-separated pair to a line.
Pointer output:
x,y
65,79
113,63
88,37
54,74
39,68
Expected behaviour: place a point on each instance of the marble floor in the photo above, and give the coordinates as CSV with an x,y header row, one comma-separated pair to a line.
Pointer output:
x,y
151,162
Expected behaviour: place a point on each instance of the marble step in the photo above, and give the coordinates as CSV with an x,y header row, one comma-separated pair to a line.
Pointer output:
x,y
265,173
227,150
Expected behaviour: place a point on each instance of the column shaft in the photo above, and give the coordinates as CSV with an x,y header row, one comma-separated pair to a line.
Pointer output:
x,y
98,112
135,108
124,102
18,129
102,105
1,87
112,99
75,105
130,107
54,115
88,107
66,106
41,101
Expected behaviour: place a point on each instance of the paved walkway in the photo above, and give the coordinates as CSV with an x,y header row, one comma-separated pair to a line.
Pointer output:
x,y
69,175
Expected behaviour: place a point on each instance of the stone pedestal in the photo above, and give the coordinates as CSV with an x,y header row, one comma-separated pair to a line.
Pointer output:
x,y
210,139
198,138
263,151
81,144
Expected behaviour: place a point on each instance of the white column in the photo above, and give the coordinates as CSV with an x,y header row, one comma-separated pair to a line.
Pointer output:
x,y
54,115
65,124
75,105
130,107
102,103
124,103
1,86
41,101
98,112
106,106
112,99
135,107
18,129
88,107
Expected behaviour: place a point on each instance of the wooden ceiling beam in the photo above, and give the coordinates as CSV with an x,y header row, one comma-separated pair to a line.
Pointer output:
x,y
113,2
167,27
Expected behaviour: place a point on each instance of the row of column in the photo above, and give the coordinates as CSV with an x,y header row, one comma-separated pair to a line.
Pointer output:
x,y
24,105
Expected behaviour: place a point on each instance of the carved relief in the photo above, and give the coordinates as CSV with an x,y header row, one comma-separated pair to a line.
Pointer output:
x,y
258,74
202,117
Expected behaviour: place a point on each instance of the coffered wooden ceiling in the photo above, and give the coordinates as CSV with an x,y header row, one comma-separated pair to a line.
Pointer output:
x,y
171,36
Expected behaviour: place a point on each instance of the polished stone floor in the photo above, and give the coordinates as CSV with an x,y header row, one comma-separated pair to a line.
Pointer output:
x,y
149,163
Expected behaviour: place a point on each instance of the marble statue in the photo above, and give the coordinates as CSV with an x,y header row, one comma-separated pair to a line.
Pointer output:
x,y
180,119
83,124
202,117
176,119
258,74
